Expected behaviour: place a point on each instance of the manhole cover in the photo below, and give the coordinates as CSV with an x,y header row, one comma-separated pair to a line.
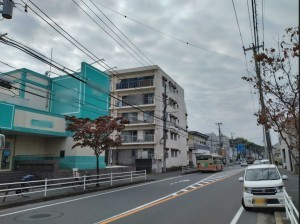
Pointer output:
x,y
38,216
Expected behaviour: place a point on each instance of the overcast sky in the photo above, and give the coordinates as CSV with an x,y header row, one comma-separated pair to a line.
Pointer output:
x,y
209,68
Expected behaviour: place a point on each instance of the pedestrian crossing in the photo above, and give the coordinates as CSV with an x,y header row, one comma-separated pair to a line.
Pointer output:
x,y
207,181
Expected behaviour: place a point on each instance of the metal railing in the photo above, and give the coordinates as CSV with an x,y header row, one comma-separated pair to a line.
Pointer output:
x,y
291,211
43,187
134,84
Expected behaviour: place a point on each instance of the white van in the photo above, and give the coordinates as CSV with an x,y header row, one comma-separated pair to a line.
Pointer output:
x,y
263,187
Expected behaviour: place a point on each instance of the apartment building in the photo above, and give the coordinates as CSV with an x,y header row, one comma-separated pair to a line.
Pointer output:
x,y
138,95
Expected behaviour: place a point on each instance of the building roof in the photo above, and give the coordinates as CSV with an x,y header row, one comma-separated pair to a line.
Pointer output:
x,y
199,134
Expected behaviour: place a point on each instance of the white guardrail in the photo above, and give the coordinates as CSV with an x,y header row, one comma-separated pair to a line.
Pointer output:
x,y
44,187
291,211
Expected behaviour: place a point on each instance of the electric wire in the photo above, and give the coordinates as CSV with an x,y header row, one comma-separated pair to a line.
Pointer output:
x,y
69,36
64,70
168,35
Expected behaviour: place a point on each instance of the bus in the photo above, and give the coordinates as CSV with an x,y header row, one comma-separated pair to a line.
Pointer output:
x,y
210,162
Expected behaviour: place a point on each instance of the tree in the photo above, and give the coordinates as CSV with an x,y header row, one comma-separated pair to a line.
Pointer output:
x,y
96,134
280,86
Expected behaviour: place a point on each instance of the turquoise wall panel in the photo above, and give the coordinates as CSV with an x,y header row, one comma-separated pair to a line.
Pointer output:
x,y
96,93
81,162
6,115
66,96
69,162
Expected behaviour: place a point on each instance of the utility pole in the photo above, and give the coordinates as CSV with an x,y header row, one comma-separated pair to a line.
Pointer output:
x,y
261,99
255,48
220,138
165,125
232,146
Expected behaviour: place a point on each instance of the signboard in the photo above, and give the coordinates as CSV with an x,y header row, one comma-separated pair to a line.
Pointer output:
x,y
241,148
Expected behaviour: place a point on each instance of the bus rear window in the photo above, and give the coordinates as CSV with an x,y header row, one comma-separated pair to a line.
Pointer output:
x,y
203,157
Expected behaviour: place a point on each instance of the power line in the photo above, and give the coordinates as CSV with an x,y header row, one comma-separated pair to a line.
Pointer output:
x,y
64,69
114,72
168,35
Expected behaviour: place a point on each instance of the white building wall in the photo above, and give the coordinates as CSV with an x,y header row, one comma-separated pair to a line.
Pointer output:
x,y
179,112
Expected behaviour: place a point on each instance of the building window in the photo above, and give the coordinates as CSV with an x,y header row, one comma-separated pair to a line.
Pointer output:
x,y
174,153
131,117
172,103
148,153
148,135
133,153
172,87
129,136
148,116
173,135
149,98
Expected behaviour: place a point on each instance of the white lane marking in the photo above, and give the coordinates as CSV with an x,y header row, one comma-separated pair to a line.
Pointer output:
x,y
237,215
176,194
179,182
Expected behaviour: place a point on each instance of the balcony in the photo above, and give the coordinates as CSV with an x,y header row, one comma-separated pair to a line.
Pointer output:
x,y
134,84
133,139
142,122
199,146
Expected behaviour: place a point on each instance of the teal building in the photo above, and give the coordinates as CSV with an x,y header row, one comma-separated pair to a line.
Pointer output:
x,y
32,115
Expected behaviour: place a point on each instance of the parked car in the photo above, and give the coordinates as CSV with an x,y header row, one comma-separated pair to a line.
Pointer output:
x,y
244,163
263,187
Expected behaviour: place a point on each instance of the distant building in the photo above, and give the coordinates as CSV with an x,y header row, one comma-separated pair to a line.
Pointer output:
x,y
32,110
141,93
197,145
214,143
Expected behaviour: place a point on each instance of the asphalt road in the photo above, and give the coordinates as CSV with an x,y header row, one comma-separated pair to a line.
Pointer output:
x,y
193,198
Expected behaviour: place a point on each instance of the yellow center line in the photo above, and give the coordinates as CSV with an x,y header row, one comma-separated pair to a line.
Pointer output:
x,y
151,204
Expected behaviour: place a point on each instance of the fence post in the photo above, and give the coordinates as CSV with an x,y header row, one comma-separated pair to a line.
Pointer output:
x,y
111,179
145,175
45,193
131,176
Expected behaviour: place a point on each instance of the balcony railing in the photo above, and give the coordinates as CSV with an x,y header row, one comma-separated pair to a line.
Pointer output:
x,y
134,84
145,121
134,139
149,138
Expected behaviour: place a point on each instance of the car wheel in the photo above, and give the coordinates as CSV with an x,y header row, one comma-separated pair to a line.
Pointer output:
x,y
244,206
